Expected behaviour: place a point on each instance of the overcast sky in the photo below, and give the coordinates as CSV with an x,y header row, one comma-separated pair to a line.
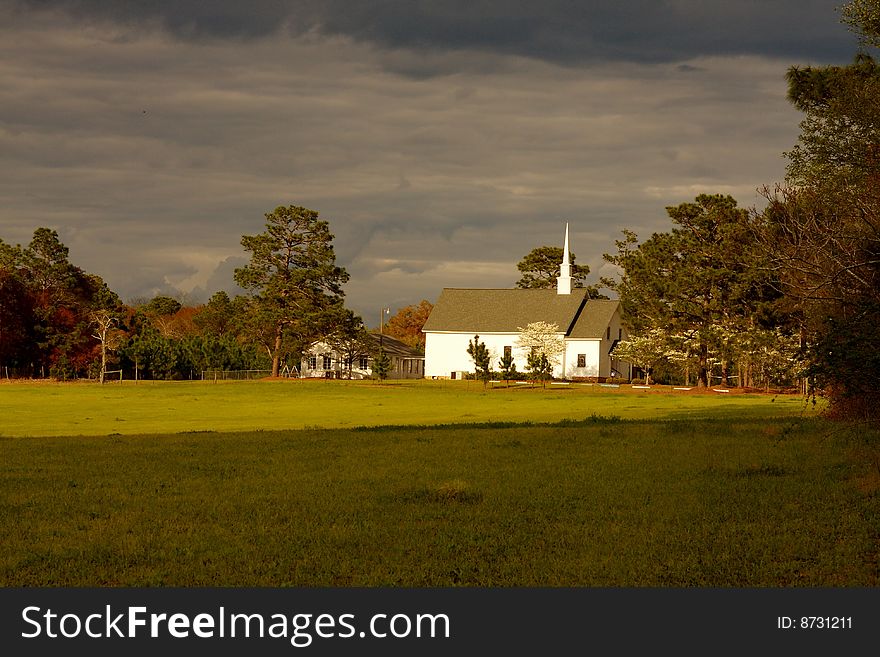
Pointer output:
x,y
442,140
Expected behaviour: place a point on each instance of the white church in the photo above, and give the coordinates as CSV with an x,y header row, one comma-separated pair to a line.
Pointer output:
x,y
589,328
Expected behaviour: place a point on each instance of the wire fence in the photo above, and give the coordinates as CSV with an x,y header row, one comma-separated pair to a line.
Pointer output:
x,y
234,375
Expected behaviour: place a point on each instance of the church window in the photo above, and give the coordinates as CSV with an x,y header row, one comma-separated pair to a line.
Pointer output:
x,y
582,360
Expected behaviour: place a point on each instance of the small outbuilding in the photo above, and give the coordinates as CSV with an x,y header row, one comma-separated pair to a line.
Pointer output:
x,y
324,361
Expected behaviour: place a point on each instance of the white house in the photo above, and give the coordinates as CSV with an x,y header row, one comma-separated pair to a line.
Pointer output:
x,y
589,328
324,361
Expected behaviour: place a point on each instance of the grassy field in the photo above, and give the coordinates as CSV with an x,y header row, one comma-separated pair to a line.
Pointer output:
x,y
47,409
732,491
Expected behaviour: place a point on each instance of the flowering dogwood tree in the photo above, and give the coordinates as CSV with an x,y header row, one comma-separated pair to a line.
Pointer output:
x,y
644,351
544,346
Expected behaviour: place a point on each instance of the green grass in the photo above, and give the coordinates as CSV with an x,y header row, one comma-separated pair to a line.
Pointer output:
x,y
599,502
128,409
429,484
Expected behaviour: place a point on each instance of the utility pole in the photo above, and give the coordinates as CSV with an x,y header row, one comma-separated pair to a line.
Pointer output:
x,y
382,313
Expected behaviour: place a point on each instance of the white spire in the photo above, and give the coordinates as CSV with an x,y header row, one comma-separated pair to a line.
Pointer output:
x,y
563,283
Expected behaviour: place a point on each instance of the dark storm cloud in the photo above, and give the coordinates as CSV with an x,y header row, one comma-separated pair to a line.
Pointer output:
x,y
562,31
442,141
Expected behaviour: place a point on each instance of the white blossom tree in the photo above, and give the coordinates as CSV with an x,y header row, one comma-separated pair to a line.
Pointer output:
x,y
773,356
544,347
644,351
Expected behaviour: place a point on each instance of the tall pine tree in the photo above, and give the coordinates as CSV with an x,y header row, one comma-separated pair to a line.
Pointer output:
x,y
294,279
703,273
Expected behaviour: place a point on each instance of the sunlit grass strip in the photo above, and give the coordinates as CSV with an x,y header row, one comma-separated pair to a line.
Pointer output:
x,y
91,410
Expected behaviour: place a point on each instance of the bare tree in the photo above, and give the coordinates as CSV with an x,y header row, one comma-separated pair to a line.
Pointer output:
x,y
106,334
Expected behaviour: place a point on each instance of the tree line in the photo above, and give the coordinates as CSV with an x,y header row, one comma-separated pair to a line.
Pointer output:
x,y
56,320
790,292
781,296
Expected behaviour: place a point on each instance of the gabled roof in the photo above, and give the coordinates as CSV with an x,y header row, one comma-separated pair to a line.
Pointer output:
x,y
394,347
502,311
594,318
461,310
390,346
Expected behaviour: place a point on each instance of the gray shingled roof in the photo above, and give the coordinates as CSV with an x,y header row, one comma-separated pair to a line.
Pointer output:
x,y
507,310
502,311
394,347
594,319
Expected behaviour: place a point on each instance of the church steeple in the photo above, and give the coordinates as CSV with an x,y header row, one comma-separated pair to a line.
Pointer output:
x,y
563,283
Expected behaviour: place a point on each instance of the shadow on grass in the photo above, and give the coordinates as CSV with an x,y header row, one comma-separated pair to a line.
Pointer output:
x,y
672,424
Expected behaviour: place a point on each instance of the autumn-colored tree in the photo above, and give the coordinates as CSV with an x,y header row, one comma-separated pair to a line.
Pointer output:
x,y
16,321
179,325
406,325
171,318
46,306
